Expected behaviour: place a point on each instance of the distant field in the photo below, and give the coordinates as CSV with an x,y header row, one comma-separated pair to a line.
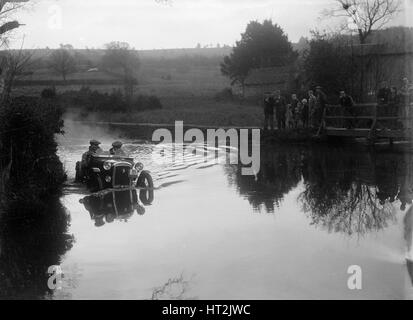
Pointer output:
x,y
166,73
163,82
186,96
193,111
186,86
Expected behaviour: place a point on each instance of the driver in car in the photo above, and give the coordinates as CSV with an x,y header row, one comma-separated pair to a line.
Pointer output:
x,y
116,149
93,149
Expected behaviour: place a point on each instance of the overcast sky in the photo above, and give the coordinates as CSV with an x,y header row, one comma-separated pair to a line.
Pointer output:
x,y
148,24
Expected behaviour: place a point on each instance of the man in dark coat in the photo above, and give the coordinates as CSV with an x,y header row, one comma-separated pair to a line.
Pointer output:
x,y
305,113
383,93
321,103
94,149
117,149
295,108
346,102
268,111
280,109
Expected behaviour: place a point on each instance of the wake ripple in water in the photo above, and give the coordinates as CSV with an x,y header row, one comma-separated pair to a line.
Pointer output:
x,y
168,168
165,166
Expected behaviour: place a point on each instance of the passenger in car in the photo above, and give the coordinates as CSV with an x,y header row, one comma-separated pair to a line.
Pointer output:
x,y
117,149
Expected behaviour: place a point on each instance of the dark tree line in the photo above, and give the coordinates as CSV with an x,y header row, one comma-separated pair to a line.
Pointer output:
x,y
328,62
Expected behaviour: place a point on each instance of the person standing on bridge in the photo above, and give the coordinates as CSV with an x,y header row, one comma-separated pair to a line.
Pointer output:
x,y
295,108
321,103
383,93
394,107
312,104
268,111
347,103
405,91
280,109
394,96
305,113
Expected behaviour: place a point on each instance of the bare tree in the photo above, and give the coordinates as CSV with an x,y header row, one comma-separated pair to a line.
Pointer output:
x,y
365,15
15,63
120,57
62,62
6,8
6,69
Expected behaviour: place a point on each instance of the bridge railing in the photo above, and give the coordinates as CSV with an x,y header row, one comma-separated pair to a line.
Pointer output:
x,y
369,115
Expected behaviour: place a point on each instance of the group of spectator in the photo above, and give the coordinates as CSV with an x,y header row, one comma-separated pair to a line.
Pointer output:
x,y
388,94
396,103
306,112
393,103
391,95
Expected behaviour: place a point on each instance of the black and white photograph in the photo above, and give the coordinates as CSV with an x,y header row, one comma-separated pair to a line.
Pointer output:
x,y
206,150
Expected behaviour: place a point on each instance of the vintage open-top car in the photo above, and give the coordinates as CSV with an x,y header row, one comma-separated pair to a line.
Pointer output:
x,y
106,171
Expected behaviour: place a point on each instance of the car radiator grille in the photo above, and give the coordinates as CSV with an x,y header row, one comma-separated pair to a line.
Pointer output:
x,y
121,176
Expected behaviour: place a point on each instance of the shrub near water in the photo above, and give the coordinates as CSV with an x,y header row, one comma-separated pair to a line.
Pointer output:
x,y
93,100
33,223
28,133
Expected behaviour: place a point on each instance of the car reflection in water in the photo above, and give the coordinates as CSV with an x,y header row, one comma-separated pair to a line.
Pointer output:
x,y
120,204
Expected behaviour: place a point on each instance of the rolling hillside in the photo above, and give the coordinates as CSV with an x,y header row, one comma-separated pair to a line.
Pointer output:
x,y
172,72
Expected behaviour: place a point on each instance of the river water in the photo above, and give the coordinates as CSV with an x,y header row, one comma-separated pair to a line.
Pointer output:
x,y
291,232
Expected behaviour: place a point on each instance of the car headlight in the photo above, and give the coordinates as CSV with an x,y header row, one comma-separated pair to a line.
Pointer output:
x,y
138,166
108,179
107,165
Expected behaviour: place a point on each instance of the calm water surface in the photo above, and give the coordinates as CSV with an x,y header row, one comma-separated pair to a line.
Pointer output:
x,y
211,233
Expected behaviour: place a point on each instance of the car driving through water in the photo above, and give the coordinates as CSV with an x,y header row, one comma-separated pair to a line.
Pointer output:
x,y
103,170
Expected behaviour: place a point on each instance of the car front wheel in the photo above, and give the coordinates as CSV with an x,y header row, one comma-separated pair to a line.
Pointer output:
x,y
145,182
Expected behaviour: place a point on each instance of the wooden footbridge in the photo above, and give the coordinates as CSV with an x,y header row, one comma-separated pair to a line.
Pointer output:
x,y
372,121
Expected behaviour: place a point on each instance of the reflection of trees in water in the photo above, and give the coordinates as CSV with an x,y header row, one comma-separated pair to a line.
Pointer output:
x,y
356,210
32,238
279,173
350,191
345,189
